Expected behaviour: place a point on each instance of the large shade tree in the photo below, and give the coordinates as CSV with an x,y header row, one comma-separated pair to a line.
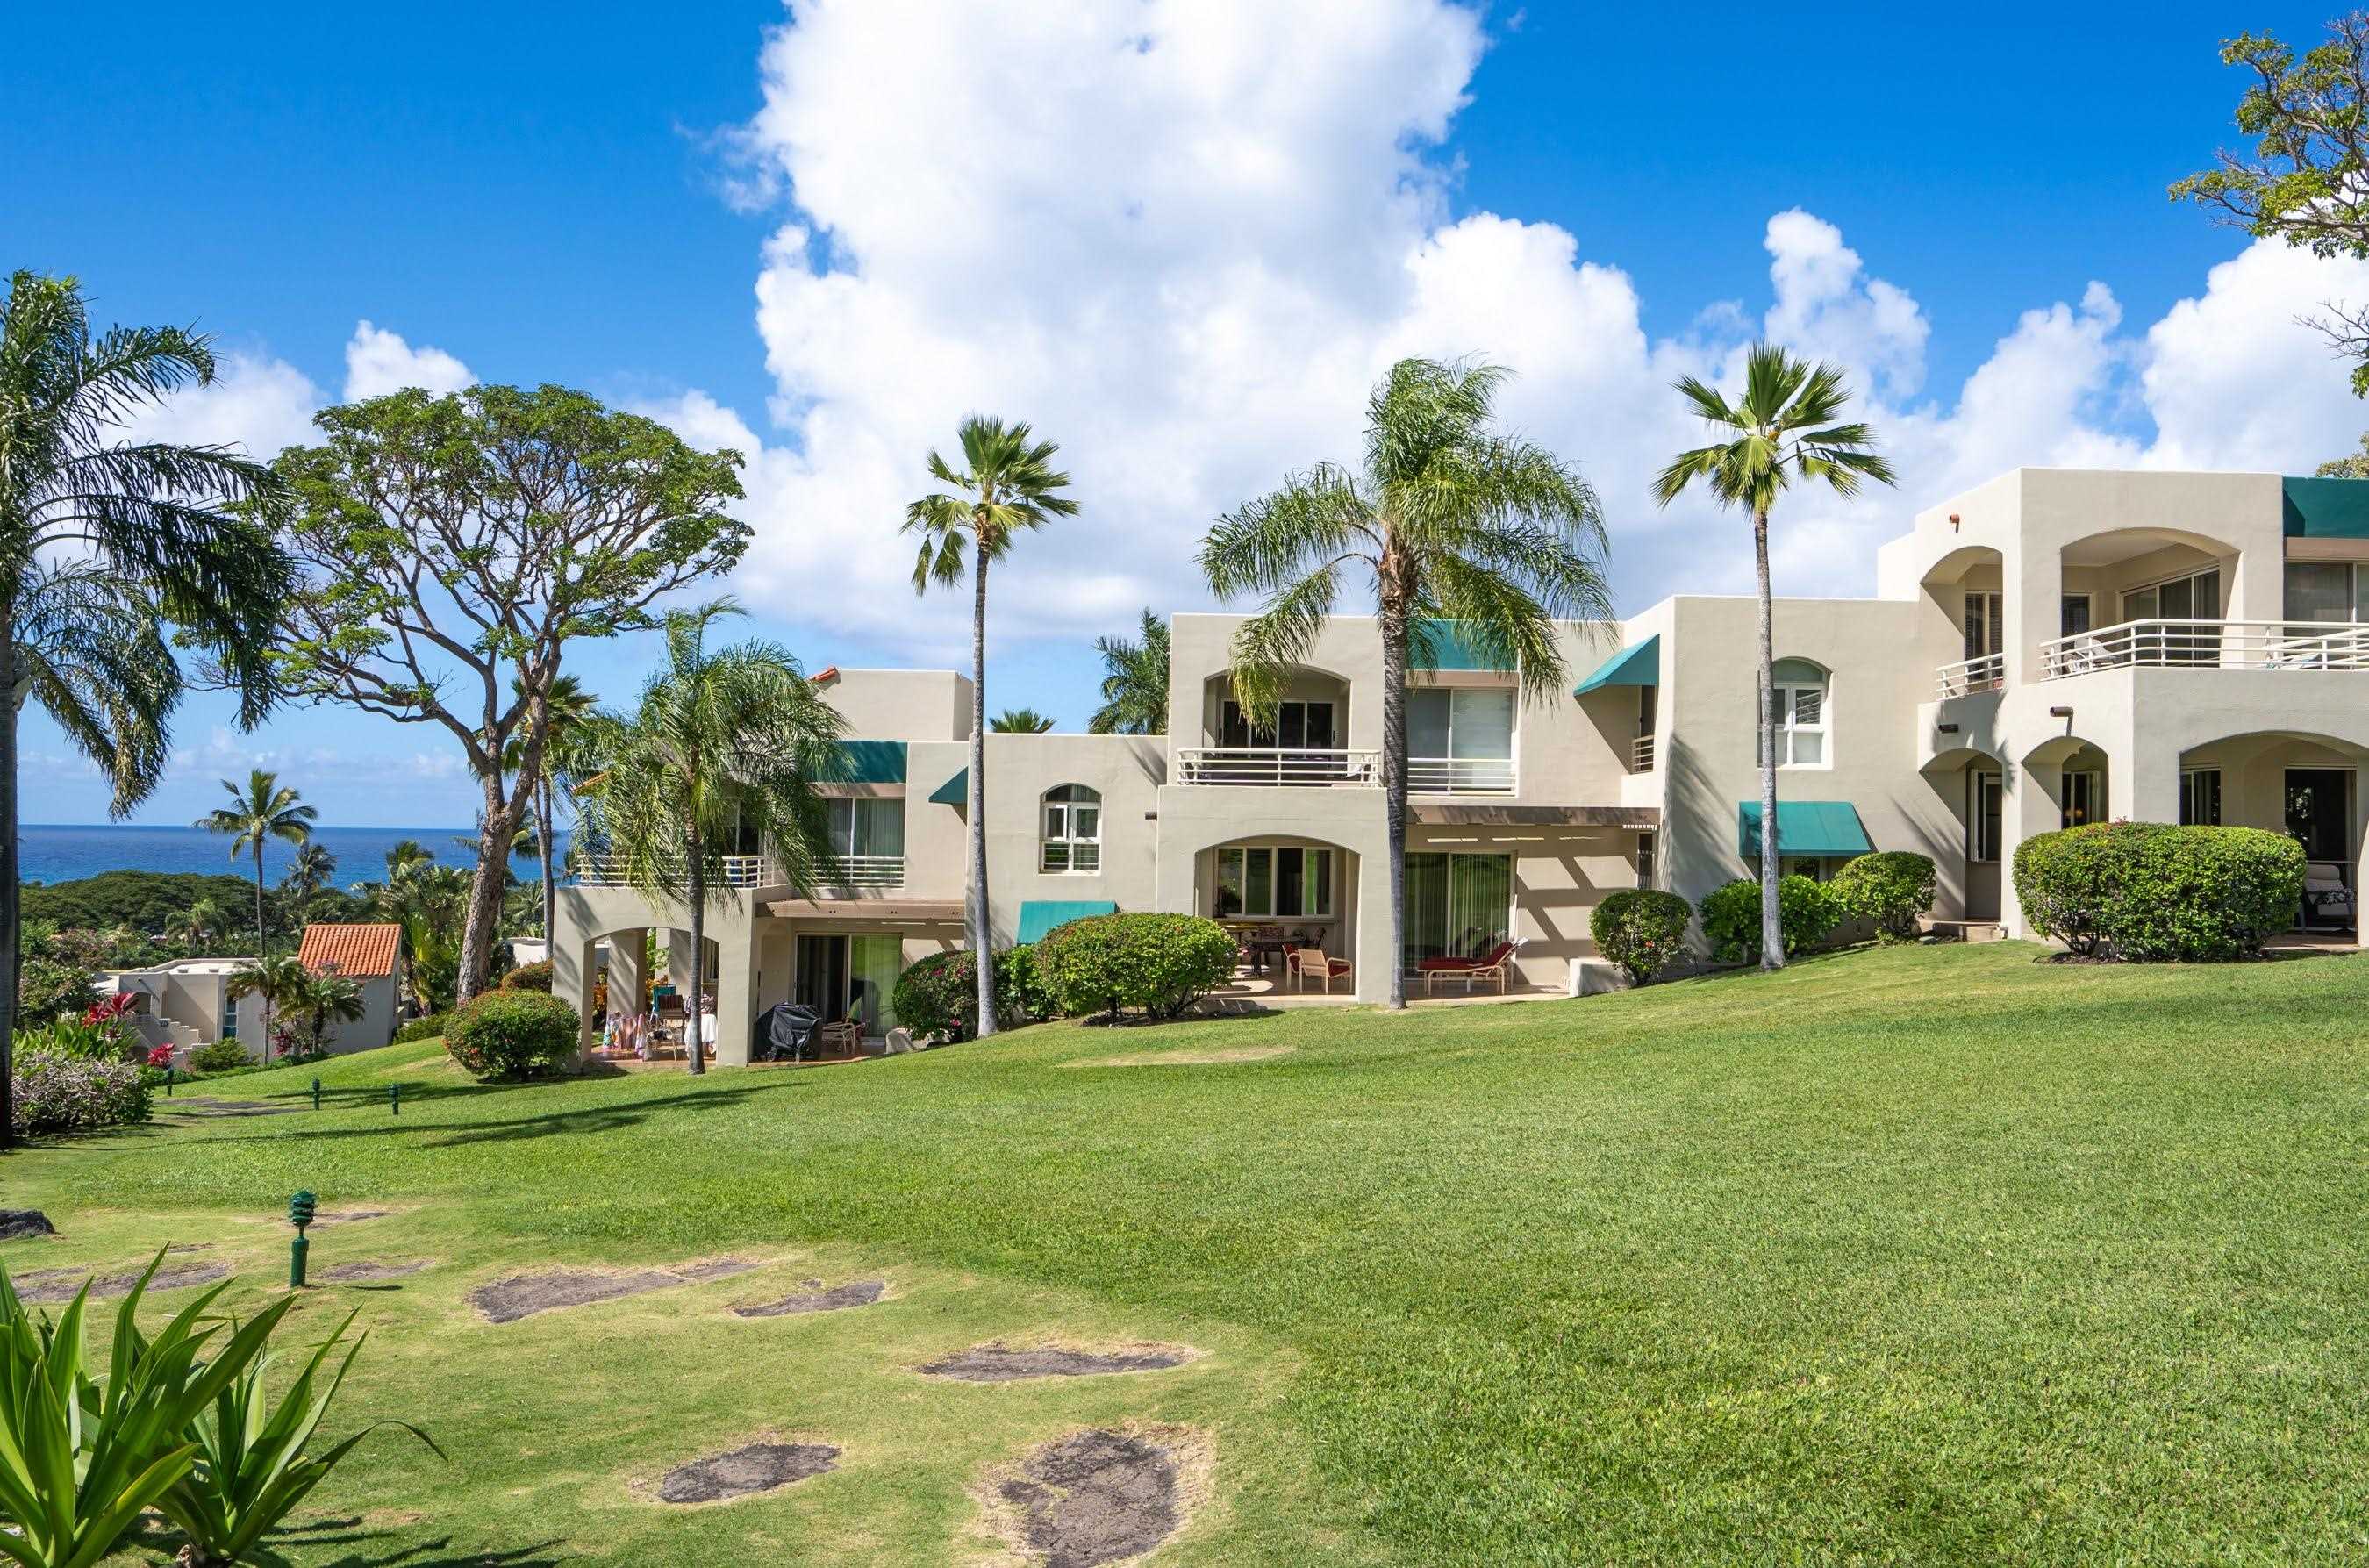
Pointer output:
x,y
1006,485
1448,519
1135,682
728,745
173,530
453,547
566,707
1787,428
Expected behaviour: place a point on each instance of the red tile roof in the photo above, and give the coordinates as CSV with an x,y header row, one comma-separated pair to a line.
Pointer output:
x,y
357,952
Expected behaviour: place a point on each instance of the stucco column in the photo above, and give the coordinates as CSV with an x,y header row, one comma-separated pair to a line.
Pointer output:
x,y
2026,808
625,971
678,960
1375,955
736,990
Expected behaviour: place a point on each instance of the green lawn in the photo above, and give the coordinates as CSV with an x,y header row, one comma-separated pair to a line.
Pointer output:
x,y
1911,1256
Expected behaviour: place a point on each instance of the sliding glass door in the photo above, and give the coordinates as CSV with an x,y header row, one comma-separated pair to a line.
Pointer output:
x,y
1458,906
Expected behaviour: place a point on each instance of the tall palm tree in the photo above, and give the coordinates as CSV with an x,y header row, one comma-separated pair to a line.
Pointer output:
x,y
568,705
184,527
312,868
1135,683
1787,428
1006,485
407,855
1450,519
264,810
1020,721
283,982
726,743
197,926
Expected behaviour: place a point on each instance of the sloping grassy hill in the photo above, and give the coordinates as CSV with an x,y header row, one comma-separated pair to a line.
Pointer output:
x,y
1933,1254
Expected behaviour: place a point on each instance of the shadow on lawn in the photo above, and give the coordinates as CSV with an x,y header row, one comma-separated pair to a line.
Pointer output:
x,y
374,1549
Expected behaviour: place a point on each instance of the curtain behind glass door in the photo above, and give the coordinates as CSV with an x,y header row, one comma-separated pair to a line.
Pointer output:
x,y
1481,896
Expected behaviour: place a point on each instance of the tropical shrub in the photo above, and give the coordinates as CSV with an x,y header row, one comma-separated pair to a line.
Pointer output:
x,y
51,988
221,1056
428,1028
529,977
1806,913
1160,964
1892,888
938,996
57,1092
1643,930
2150,892
512,1034
1020,994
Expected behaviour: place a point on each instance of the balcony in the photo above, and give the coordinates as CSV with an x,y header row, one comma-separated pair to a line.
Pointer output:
x,y
754,871
869,871
2210,645
1461,775
1315,768
1969,676
1640,754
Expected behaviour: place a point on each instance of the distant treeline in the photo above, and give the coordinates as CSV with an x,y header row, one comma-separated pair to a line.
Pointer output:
x,y
144,900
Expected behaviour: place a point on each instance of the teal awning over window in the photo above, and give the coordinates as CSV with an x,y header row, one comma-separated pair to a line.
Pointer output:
x,y
2326,509
1451,649
1806,827
873,762
1038,916
955,790
1639,664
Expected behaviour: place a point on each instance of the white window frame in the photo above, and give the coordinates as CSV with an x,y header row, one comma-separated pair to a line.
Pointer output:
x,y
1981,849
1323,885
2192,785
1992,603
2093,785
1786,702
1062,849
2157,586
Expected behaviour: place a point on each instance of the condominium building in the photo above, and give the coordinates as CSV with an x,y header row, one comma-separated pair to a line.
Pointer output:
x,y
2053,647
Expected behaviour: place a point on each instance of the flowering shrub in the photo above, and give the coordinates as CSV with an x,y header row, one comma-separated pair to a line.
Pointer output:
x,y
57,1092
1643,930
939,995
512,1034
160,1056
1806,912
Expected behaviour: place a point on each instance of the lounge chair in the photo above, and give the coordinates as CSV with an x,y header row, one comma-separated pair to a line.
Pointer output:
x,y
1493,965
1307,963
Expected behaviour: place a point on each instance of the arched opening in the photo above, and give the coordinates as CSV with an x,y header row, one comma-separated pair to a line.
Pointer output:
x,y
2144,596
1291,904
2073,774
1972,785
1307,742
2305,785
1969,586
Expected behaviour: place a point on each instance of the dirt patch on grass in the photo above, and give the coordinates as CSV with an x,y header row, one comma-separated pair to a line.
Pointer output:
x,y
508,1301
1191,1058
1002,1364
746,1471
205,1107
369,1271
349,1216
51,1285
858,1293
1099,1496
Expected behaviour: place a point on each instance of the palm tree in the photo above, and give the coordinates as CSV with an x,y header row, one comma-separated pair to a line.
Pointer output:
x,y
180,532
1020,721
1135,683
1007,485
407,855
568,705
725,744
1784,430
312,869
429,901
324,998
1452,520
261,812
197,926
283,982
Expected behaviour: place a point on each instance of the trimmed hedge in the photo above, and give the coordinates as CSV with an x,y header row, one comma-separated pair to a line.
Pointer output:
x,y
512,1034
1806,913
1157,963
2150,892
530,977
426,1028
220,1055
56,1093
1643,930
938,996
1893,888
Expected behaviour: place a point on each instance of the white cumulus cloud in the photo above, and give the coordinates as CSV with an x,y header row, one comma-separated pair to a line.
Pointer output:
x,y
379,361
259,403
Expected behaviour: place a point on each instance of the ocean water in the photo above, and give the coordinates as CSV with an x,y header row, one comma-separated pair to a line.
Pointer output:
x,y
65,852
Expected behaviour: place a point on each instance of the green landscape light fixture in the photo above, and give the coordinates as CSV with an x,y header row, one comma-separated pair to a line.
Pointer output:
x,y
168,1082
299,1214
317,1093
394,1099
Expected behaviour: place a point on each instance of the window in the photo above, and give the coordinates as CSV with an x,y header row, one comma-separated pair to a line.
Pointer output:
x,y
1299,725
1986,622
1801,704
1073,829
2327,590
1458,906
1462,722
1644,860
1284,883
2080,797
2073,617
2195,597
2199,797
867,830
1983,818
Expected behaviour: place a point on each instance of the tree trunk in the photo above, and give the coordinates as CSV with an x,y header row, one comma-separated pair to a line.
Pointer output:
x,y
262,947
1394,781
982,946
1773,925
546,839
11,888
479,929
695,1036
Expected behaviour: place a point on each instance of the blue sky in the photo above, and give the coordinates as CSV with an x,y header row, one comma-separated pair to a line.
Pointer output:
x,y
592,196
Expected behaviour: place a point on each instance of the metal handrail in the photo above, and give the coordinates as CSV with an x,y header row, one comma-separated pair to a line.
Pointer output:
x,y
1461,775
1968,676
2210,645
1640,754
1309,766
612,870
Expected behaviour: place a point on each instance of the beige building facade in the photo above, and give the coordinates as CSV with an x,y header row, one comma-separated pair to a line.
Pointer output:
x,y
2055,646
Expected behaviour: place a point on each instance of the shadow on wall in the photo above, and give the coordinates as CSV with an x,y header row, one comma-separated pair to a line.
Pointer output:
x,y
1561,911
1697,825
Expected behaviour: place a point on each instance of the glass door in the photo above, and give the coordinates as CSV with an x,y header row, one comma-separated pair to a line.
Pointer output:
x,y
1458,906
821,981
875,963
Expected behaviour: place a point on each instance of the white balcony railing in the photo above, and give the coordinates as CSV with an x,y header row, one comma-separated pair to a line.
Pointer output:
x,y
1461,775
869,871
2210,645
1275,765
739,871
1968,676
1640,754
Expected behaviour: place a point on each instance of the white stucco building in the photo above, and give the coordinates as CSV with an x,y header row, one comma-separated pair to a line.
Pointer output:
x,y
2055,646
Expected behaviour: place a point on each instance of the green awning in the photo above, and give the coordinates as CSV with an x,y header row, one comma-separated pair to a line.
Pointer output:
x,y
1451,648
1639,664
1806,827
1039,916
873,762
955,790
2326,509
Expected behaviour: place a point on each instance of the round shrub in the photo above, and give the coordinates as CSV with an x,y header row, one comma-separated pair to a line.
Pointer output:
x,y
426,1028
938,996
56,1092
1159,964
1893,888
512,1034
1806,912
1643,930
221,1056
2149,892
530,977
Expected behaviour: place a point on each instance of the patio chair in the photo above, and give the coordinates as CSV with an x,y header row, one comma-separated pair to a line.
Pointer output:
x,y
2327,902
1307,963
844,1037
1491,966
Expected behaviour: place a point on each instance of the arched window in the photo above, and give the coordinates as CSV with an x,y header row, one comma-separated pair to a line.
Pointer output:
x,y
1073,829
1801,704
